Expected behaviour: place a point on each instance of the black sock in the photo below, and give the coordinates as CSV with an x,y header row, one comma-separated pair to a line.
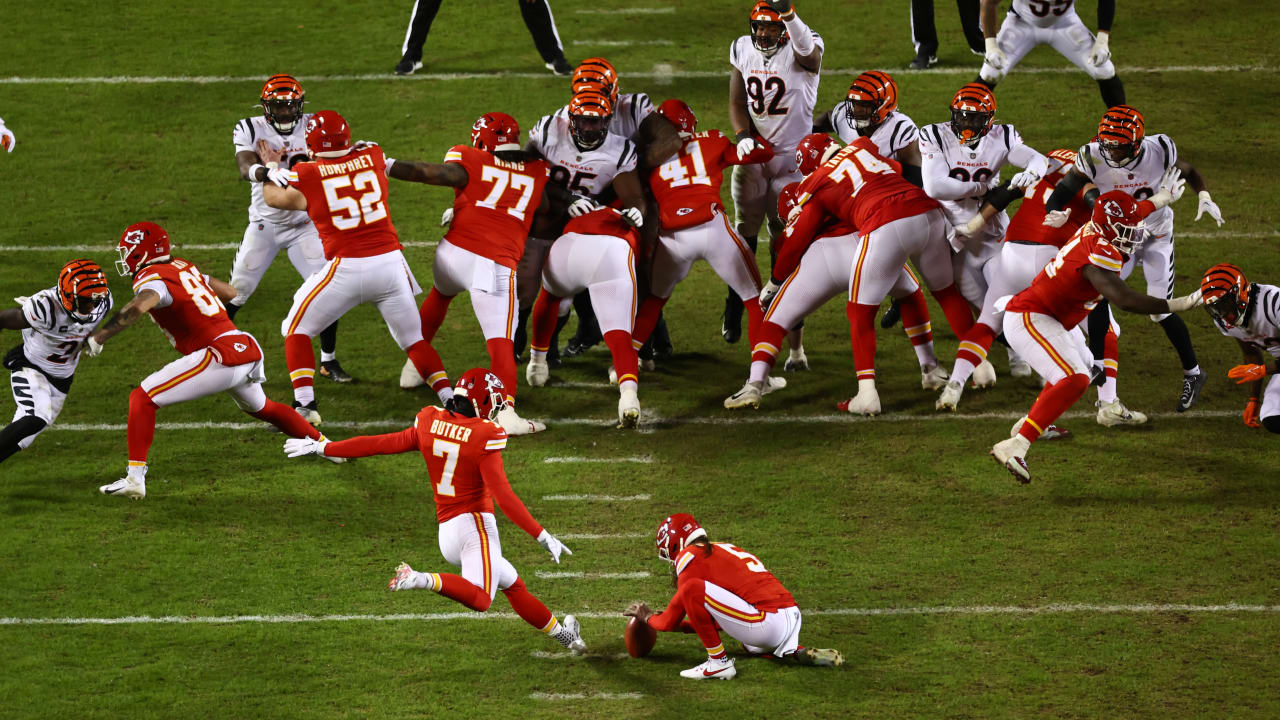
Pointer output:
x,y
16,431
1176,330
329,338
232,309
1112,91
521,336
1099,323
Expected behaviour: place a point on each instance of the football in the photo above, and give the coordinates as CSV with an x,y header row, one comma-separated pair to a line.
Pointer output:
x,y
640,638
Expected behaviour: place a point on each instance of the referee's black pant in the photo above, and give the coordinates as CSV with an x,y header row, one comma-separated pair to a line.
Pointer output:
x,y
536,14
925,35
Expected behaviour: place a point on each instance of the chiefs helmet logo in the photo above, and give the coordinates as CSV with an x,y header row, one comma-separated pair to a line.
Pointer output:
x,y
312,124
134,237
1113,209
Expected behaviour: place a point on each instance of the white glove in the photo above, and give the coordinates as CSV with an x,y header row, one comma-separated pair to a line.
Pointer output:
x,y
1024,179
995,56
93,347
297,447
1184,303
362,144
1056,218
552,545
581,207
1172,185
279,177
1207,205
972,227
632,216
768,292
446,217
746,146
1100,53
7,140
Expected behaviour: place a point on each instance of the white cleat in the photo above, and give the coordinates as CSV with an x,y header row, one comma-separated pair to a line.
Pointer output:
x,y
628,409
1053,432
711,670
1115,413
1020,368
409,377
537,373
748,396
309,412
647,365
1012,454
516,425
934,378
126,487
950,396
575,643
796,361
772,383
866,403
984,376
403,579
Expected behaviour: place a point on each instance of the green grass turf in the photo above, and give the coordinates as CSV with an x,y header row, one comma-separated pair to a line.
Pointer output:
x,y
881,514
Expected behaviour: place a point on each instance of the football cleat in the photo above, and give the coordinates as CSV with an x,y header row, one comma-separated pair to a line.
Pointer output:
x,y
134,489
1020,368
628,409
1012,454
984,376
573,628
560,66
923,62
772,383
332,370
537,372
309,412
817,657
1191,387
575,347
891,316
407,66
1115,413
796,361
950,396
516,425
934,378
712,669
866,403
1053,432
410,377
403,579
748,396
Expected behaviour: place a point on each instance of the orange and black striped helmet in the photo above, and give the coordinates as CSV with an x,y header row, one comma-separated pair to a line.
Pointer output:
x,y
82,287
596,73
872,96
1120,135
282,100
764,17
1226,294
973,110
590,112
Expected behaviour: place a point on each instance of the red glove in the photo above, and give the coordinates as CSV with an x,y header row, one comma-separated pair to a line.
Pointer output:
x,y
1251,413
1247,373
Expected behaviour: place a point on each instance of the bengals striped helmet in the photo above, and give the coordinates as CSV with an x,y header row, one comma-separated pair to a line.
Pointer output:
x,y
282,100
1118,220
813,150
676,532
973,109
872,96
589,114
82,287
1120,135
768,33
495,132
680,115
596,73
1226,294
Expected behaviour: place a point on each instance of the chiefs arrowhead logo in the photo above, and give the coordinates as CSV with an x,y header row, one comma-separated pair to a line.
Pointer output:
x,y
1113,209
240,347
684,211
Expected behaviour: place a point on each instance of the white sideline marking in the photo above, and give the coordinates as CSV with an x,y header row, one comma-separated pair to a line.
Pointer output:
x,y
570,575
641,459
606,498
566,655
679,75
602,536
1050,609
577,384
619,43
628,11
587,696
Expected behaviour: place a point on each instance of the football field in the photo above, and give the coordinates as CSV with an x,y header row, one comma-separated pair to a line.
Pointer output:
x,y
1135,577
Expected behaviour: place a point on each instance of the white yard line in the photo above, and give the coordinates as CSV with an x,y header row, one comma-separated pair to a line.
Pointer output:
x,y
587,696
1031,610
553,460
570,575
627,11
603,536
618,43
566,655
596,498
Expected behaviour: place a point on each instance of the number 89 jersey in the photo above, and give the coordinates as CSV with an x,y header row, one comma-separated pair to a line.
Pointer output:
x,y
189,312
347,202
780,93
54,340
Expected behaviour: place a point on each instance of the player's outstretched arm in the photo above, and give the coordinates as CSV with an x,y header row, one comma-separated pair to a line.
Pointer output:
x,y
284,198
13,319
659,139
126,316
362,446
1111,287
442,174
225,292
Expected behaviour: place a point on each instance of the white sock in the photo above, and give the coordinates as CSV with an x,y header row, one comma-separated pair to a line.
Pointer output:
x,y
626,385
924,354
759,371
304,395
961,372
328,356
537,355
137,472
1193,371
1107,391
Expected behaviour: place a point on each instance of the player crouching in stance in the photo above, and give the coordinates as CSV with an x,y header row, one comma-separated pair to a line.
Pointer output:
x,y
723,587
1041,321
1250,313
462,445
216,356
54,324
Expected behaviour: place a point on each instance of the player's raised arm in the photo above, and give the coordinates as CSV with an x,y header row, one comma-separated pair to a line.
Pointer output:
x,y
808,53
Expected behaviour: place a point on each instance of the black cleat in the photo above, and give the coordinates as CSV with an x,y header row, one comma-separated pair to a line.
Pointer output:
x,y
332,370
923,62
891,316
574,348
731,320
560,66
407,66
1191,387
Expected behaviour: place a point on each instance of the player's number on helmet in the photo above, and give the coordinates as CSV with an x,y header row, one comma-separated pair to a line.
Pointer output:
x,y
1042,8
206,301
368,209
866,163
757,90
449,451
677,174
502,179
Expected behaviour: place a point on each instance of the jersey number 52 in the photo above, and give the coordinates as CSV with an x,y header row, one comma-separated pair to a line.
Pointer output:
x,y
348,212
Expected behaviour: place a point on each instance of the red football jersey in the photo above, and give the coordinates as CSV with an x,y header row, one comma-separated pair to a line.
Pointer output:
x,y
493,211
1061,290
196,315
347,202
687,187
1028,225
735,570
605,221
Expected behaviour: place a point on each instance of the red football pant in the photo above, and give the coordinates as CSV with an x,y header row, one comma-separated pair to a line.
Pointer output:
x,y
1053,401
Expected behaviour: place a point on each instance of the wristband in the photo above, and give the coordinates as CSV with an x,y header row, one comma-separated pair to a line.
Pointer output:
x,y
253,172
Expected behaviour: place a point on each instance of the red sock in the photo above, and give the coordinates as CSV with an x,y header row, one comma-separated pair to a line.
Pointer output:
x,y
528,607
862,335
768,343
142,424
546,310
693,595
502,361
625,361
287,419
976,343
458,588
755,316
432,313
301,359
647,319
427,362
1053,401
1111,354
956,308
915,318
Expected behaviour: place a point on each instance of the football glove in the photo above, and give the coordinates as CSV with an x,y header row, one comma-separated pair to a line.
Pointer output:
x,y
632,216
1247,373
1251,418
93,347
995,57
552,545
747,144
1207,205
297,447
1100,52
782,7
279,176
7,140
767,293
1024,179
446,217
1184,303
1056,218
972,227
581,207
1172,185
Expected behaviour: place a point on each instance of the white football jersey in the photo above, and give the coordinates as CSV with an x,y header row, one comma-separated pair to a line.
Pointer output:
x,y
1045,13
246,136
1140,178
1262,326
589,172
53,341
896,132
942,155
781,95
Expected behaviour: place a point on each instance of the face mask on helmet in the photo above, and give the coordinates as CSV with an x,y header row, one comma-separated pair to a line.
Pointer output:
x,y
675,533
1120,134
861,113
1118,221
589,116
141,244
768,33
82,288
969,125
483,391
282,101
1117,154
1226,294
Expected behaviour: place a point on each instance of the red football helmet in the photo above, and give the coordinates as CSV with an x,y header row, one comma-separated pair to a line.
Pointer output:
x,y
787,200
483,390
680,115
675,533
496,132
973,110
813,150
1120,134
1117,218
872,96
590,112
596,73
328,135
82,287
282,99
768,32
1227,294
142,244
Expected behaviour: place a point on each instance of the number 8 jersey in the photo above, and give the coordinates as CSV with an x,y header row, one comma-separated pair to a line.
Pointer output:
x,y
347,202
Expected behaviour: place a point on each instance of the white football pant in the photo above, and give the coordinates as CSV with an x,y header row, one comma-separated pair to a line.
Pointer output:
x,y
262,242
199,374
1069,37
776,632
470,541
603,265
713,241
33,394
384,280
492,287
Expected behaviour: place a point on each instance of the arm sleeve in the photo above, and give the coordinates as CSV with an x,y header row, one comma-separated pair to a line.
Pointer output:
x,y
1001,197
495,481
940,186
1106,14
802,38
1066,189
799,236
366,445
39,312
668,620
